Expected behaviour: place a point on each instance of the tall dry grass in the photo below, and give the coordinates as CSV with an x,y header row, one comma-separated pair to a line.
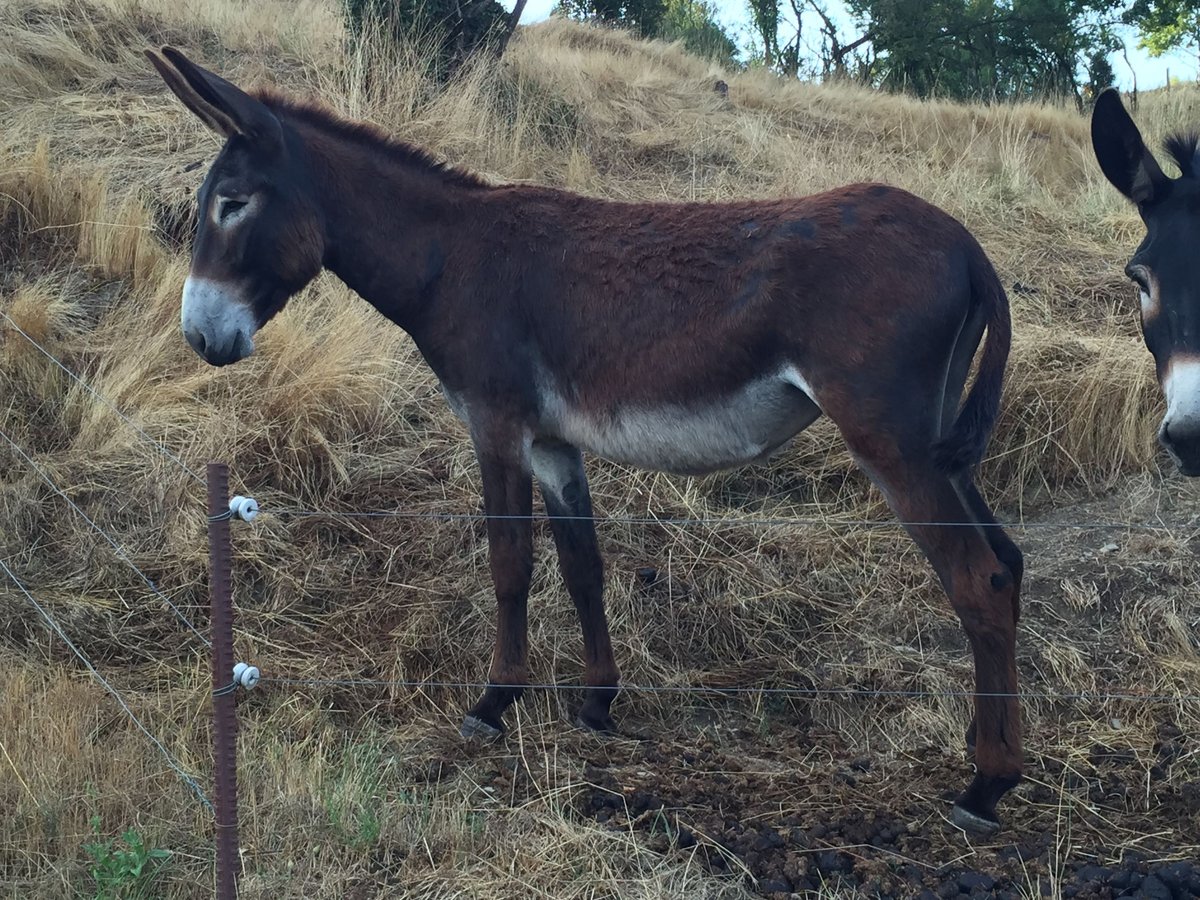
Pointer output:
x,y
335,412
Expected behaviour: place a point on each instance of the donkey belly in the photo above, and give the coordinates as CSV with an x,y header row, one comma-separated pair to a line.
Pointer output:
x,y
744,426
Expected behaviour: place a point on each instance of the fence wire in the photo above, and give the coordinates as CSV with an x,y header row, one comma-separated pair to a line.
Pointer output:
x,y
162,448
725,521
57,629
800,691
41,473
711,522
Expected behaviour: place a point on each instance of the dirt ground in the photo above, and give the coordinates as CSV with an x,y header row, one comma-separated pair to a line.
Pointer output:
x,y
740,802
762,794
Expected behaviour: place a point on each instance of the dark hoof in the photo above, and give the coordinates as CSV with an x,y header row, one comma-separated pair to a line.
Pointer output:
x,y
973,824
975,810
594,712
477,729
601,724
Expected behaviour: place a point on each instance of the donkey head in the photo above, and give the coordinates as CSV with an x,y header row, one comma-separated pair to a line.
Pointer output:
x,y
1166,265
260,236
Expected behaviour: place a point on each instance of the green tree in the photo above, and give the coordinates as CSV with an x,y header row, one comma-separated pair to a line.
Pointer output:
x,y
765,16
769,20
1166,25
643,16
982,48
1100,73
695,23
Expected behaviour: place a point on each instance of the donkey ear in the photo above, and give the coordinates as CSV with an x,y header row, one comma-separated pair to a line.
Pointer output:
x,y
1123,156
205,111
223,107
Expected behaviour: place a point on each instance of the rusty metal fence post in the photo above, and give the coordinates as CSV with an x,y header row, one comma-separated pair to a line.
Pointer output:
x,y
224,699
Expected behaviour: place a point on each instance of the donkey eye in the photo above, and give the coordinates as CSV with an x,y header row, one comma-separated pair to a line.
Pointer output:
x,y
229,206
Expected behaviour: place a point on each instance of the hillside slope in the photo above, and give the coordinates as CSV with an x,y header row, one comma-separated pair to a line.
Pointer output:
x,y
356,791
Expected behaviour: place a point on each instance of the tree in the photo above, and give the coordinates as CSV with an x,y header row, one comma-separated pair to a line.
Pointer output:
x,y
642,16
695,23
765,16
836,56
1166,25
925,46
1100,74
982,48
514,20
459,27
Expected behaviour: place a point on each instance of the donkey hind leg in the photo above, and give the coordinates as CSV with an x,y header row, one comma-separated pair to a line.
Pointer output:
x,y
1006,551
559,470
982,589
508,501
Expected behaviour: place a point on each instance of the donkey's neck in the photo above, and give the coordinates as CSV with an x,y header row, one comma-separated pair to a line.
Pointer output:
x,y
391,216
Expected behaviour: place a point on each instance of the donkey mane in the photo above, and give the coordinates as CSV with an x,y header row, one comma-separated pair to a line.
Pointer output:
x,y
1181,147
364,134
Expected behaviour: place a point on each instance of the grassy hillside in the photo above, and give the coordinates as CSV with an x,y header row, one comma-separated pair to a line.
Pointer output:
x,y
363,791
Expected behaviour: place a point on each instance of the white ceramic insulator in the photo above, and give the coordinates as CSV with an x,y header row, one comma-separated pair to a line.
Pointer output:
x,y
245,676
245,508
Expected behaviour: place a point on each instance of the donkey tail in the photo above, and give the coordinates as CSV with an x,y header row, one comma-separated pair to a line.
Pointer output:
x,y
963,447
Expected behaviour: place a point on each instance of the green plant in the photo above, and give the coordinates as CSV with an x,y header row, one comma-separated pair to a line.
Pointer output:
x,y
353,800
123,872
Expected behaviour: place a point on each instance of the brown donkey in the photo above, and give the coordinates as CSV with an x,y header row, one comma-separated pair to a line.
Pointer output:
x,y
679,337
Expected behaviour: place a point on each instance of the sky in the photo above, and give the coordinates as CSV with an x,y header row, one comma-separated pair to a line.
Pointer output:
x,y
1151,72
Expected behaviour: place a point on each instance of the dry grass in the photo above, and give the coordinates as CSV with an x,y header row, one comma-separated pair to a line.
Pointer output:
x,y
351,792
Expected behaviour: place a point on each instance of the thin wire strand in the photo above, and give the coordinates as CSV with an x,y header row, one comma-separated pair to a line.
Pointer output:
x,y
112,543
57,629
162,448
744,689
717,522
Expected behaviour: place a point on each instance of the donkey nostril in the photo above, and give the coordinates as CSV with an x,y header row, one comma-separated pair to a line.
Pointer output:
x,y
1181,436
196,339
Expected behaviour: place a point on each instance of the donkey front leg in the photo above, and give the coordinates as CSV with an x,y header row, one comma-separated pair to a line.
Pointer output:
x,y
508,503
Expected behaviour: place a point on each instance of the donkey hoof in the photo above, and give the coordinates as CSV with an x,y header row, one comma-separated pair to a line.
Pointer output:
x,y
477,729
973,823
600,724
975,809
